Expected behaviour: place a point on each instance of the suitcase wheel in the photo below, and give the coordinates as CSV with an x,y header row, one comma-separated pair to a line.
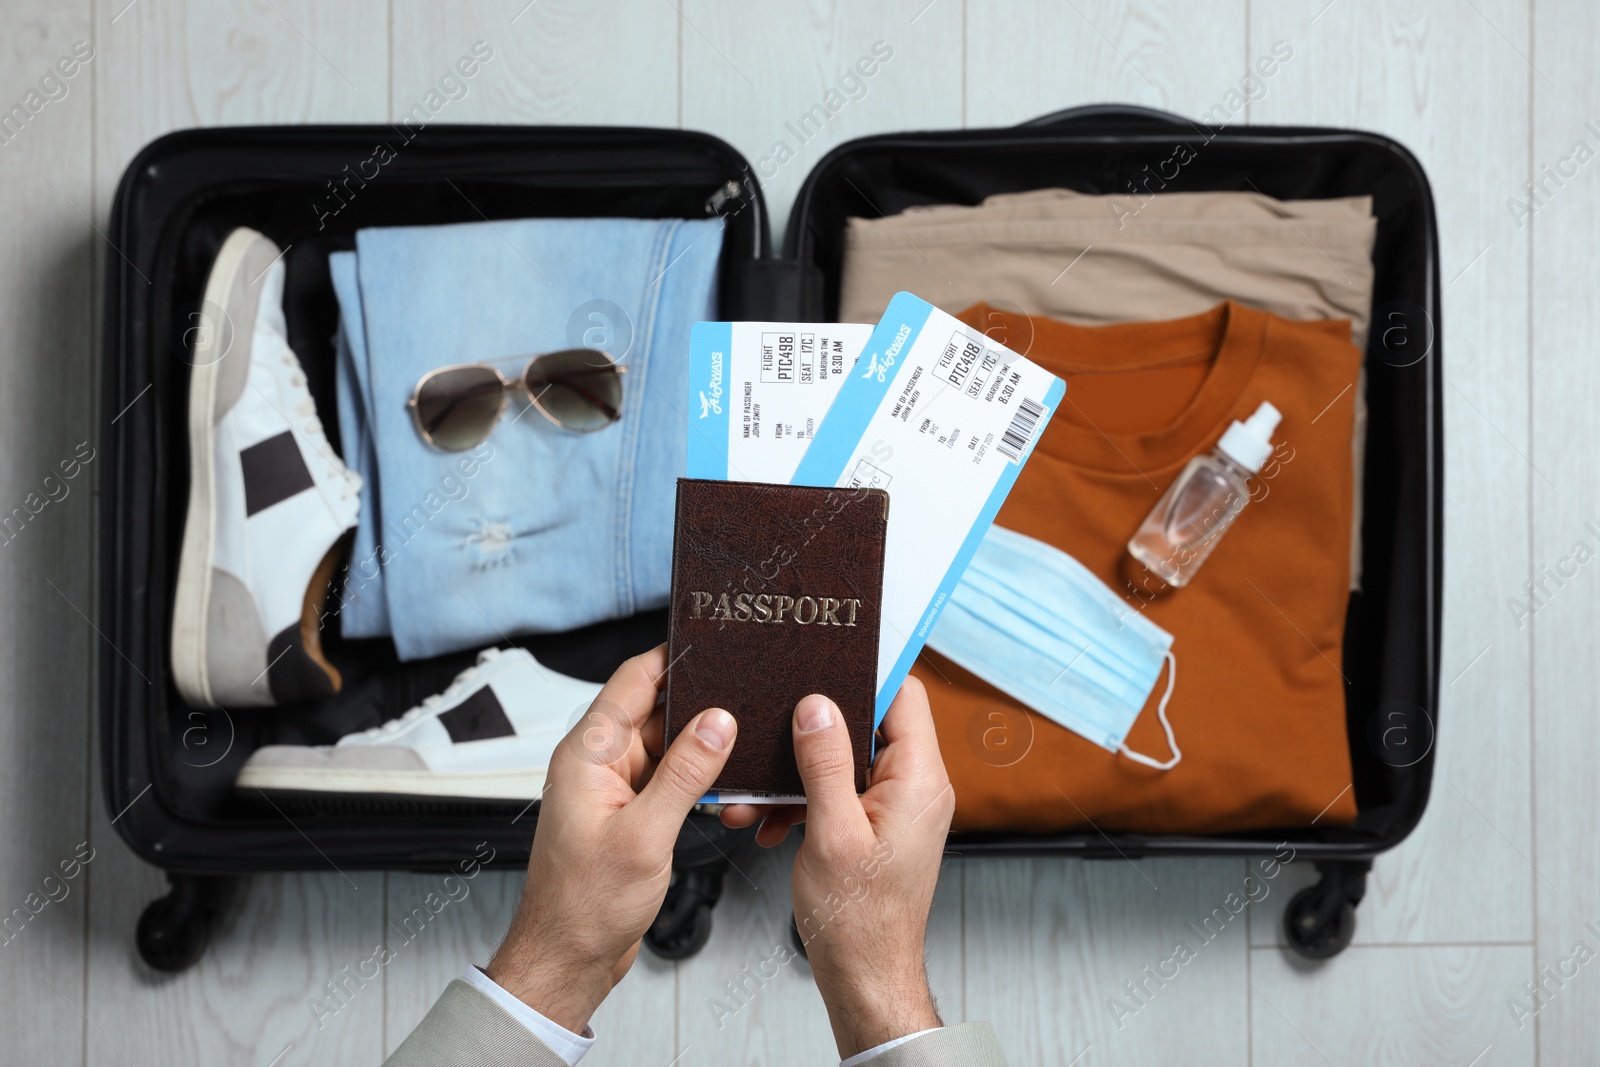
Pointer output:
x,y
174,930
683,925
1320,920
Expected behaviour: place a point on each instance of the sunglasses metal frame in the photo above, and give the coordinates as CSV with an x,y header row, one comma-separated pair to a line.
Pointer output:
x,y
507,385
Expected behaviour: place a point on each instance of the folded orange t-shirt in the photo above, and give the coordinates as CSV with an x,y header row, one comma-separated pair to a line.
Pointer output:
x,y
1259,702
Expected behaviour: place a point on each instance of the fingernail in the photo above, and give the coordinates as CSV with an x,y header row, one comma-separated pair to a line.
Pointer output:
x,y
716,729
814,713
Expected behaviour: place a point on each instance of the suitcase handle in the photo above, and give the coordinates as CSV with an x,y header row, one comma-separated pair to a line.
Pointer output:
x,y
1085,114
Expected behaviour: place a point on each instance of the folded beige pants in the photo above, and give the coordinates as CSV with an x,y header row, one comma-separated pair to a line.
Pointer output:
x,y
1122,258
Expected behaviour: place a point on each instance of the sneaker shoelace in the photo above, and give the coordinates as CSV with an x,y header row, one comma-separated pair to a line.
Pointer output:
x,y
467,679
311,426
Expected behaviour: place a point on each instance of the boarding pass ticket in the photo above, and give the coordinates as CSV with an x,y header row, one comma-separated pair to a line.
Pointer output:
x,y
943,418
758,392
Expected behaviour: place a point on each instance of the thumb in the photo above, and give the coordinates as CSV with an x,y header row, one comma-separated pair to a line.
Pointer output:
x,y
686,771
827,765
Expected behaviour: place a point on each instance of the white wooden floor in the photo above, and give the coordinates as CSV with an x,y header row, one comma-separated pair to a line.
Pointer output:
x,y
1498,883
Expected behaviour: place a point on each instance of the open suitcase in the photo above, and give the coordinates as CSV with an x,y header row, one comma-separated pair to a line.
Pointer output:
x,y
183,193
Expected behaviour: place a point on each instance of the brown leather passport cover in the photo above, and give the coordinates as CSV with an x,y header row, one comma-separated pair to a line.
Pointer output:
x,y
776,591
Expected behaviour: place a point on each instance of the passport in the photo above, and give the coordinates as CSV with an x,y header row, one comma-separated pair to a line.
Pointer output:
x,y
776,593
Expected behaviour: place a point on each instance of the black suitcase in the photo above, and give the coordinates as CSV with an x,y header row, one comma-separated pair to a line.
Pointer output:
x,y
182,194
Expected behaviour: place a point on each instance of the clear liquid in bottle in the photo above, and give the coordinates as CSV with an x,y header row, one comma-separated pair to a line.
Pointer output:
x,y
1184,527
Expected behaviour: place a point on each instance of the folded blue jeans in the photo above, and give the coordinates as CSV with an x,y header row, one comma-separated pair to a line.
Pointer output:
x,y
538,529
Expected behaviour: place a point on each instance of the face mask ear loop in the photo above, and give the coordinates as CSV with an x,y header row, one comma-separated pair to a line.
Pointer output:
x,y
1161,713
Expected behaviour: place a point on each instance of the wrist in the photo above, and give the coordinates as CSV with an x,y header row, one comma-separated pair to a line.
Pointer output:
x,y
869,1009
567,993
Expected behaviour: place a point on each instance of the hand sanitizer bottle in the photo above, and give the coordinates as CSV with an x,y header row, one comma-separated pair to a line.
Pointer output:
x,y
1184,527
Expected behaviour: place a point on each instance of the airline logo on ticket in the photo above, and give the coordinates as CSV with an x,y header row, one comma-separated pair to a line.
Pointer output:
x,y
943,418
758,392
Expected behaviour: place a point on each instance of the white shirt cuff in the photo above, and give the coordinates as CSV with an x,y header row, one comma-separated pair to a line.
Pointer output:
x,y
569,1046
873,1053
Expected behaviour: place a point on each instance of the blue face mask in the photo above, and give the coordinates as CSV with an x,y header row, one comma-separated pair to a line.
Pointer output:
x,y
1036,624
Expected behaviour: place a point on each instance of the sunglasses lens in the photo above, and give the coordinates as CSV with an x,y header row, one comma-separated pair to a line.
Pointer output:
x,y
458,407
581,388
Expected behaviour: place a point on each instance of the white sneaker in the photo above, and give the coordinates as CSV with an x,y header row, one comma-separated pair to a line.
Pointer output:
x,y
269,501
489,736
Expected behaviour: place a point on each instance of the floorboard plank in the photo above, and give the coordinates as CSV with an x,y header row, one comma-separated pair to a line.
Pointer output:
x,y
46,354
1564,223
1129,962
554,61
1383,1006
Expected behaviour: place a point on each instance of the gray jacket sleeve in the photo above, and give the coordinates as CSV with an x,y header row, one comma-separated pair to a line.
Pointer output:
x,y
967,1045
464,1028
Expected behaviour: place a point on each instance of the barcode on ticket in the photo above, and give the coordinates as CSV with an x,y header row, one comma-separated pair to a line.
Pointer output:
x,y
1020,432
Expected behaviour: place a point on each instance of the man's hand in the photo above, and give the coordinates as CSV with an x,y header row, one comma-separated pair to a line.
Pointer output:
x,y
602,851
864,877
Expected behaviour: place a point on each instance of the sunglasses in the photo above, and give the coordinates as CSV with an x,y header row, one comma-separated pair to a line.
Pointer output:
x,y
578,389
